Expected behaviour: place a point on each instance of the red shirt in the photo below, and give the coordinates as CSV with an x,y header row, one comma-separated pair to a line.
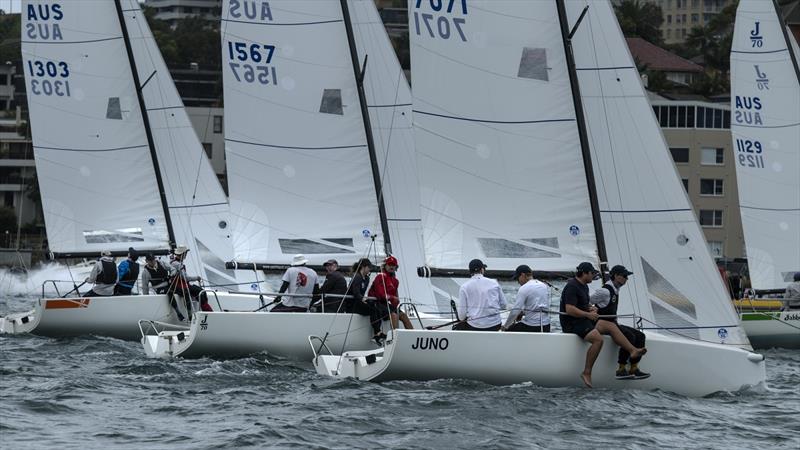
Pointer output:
x,y
385,288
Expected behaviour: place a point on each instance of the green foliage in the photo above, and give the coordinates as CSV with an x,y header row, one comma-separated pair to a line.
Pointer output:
x,y
194,39
9,38
711,82
640,19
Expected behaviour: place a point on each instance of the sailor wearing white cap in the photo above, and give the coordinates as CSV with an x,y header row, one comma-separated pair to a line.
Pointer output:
x,y
298,279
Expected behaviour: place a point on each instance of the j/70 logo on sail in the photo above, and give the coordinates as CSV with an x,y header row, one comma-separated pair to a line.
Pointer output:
x,y
755,36
431,344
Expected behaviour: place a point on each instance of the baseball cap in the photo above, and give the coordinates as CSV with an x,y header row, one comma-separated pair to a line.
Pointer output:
x,y
586,267
133,253
476,265
329,262
523,268
620,270
149,257
105,253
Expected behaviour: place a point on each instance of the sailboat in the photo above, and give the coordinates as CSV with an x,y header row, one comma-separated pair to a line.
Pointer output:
x,y
118,162
508,93
765,100
320,162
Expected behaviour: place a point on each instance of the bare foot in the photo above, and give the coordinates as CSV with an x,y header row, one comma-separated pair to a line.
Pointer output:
x,y
638,352
587,379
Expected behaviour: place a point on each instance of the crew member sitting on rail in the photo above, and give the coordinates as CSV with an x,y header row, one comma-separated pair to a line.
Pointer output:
x,y
128,273
480,301
103,275
533,302
357,303
384,289
179,284
607,299
791,299
156,273
334,286
298,279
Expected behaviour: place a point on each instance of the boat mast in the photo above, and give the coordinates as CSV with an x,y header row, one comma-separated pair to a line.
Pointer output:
x,y
143,108
566,35
786,38
358,71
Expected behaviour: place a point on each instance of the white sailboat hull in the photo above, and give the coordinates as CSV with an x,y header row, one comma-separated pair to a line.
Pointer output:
x,y
548,359
772,329
114,316
236,334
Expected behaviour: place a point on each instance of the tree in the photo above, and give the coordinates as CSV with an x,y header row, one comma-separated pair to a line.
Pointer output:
x,y
640,19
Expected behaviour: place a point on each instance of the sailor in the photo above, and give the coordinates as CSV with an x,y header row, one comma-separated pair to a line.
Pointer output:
x,y
127,273
533,302
578,317
298,279
156,273
791,299
480,301
335,286
384,289
179,284
357,302
607,299
103,275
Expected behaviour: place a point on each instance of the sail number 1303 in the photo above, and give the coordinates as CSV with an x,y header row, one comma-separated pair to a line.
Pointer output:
x,y
750,153
50,78
251,63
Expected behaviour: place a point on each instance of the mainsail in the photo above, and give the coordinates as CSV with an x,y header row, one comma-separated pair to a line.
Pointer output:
x,y
299,169
197,204
500,165
648,222
765,101
93,161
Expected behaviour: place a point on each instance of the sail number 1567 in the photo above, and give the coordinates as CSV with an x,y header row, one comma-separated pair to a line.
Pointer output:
x,y
248,62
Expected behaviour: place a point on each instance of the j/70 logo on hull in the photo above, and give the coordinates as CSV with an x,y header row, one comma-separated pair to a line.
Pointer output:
x,y
431,344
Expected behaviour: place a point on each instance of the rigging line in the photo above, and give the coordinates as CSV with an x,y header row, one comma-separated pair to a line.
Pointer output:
x,y
273,24
770,209
500,122
116,38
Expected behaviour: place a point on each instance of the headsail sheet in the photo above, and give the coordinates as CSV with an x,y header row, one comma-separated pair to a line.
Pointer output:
x,y
499,158
197,204
93,162
299,171
765,105
648,221
389,103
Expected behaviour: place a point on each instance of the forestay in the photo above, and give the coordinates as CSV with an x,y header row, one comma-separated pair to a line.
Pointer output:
x,y
501,172
197,205
299,170
389,102
765,125
648,221
93,163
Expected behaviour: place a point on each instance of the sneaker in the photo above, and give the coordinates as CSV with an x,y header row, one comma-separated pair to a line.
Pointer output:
x,y
380,339
180,317
623,374
639,375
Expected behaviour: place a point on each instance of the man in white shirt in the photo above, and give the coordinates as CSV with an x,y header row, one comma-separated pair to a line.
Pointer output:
x,y
791,300
298,279
480,301
533,302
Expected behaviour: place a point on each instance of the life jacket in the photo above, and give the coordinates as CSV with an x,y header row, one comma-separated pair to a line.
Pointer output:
x,y
129,279
109,273
611,308
158,274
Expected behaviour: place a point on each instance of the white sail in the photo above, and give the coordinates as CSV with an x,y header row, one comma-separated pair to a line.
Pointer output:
x,y
93,162
197,205
648,221
765,105
389,101
500,164
300,177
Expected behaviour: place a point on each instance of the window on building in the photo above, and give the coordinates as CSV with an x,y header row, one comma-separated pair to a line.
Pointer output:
x,y
209,148
712,156
673,116
683,32
663,117
669,18
711,218
680,155
701,117
685,183
726,119
218,124
3,79
715,248
711,186
695,3
8,199
695,18
681,117
669,33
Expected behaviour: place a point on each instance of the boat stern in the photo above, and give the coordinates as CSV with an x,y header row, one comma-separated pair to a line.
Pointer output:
x,y
19,323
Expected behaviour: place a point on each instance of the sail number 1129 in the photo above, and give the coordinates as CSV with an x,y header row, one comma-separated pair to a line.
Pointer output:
x,y
750,153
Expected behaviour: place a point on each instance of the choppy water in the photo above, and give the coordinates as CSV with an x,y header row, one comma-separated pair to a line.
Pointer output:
x,y
98,392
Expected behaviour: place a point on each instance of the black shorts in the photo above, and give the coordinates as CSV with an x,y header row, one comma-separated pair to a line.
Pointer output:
x,y
581,327
464,326
525,328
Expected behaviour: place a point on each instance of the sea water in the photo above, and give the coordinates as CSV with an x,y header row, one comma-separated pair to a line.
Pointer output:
x,y
95,392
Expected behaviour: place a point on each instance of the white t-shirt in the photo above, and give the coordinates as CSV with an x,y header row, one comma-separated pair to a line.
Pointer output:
x,y
301,280
480,301
533,300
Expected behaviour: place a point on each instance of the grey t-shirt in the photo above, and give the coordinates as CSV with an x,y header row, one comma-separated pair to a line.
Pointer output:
x,y
301,280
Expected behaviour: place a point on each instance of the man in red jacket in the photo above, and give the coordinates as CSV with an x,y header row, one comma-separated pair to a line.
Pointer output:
x,y
384,289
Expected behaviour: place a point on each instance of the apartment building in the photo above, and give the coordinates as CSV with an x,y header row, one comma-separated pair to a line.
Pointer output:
x,y
699,138
173,10
680,16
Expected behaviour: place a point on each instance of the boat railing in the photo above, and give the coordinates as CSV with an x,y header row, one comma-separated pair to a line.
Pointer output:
x,y
322,345
55,286
262,295
146,325
411,311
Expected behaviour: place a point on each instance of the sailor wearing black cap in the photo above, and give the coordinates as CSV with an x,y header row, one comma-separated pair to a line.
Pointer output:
x,y
533,301
480,301
607,300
